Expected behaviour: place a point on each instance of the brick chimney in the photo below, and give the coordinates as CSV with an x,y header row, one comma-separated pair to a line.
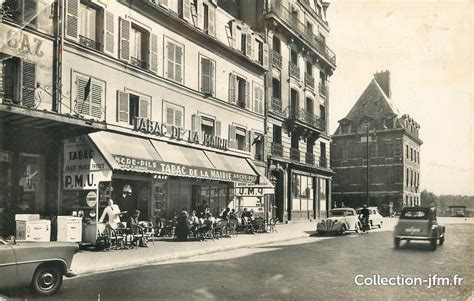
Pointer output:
x,y
383,79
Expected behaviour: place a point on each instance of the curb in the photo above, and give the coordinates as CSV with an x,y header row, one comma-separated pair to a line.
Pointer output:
x,y
163,258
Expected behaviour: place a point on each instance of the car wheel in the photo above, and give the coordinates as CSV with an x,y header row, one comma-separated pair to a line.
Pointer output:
x,y
380,225
434,244
396,242
356,228
47,280
343,230
441,241
371,225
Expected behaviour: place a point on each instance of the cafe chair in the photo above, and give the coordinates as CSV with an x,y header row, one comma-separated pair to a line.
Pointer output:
x,y
148,230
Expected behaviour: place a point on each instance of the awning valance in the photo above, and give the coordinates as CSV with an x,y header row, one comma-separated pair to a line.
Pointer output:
x,y
131,153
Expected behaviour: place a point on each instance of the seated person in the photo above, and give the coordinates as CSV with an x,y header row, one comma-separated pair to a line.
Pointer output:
x,y
113,213
225,214
136,229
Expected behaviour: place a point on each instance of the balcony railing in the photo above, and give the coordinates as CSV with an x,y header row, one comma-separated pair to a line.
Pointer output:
x,y
276,105
276,59
295,71
89,43
293,23
307,117
138,62
323,162
318,16
323,89
309,80
309,158
277,149
295,154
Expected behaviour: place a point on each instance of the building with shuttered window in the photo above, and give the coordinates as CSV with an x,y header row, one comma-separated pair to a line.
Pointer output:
x,y
157,104
297,101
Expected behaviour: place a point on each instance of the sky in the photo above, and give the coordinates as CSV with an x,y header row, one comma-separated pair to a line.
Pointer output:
x,y
428,48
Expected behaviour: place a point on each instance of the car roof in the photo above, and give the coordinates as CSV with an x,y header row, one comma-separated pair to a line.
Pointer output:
x,y
342,209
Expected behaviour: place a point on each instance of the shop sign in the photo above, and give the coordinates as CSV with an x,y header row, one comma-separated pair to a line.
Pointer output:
x,y
91,199
84,166
173,169
147,126
249,191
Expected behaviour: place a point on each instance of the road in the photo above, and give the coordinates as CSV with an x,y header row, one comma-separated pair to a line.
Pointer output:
x,y
304,269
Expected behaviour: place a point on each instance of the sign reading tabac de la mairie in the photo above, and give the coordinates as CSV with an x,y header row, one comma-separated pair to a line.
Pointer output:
x,y
180,170
147,126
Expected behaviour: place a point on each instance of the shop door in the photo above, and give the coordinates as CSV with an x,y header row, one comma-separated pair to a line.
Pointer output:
x,y
279,197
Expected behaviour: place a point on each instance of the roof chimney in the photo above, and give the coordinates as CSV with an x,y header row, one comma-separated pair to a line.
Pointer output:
x,y
383,79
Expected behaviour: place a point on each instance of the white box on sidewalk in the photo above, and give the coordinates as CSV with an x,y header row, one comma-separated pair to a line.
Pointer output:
x,y
69,228
33,230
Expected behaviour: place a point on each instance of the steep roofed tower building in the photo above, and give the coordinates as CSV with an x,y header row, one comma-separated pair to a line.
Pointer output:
x,y
391,180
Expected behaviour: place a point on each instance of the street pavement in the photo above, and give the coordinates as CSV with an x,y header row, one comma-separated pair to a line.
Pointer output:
x,y
309,268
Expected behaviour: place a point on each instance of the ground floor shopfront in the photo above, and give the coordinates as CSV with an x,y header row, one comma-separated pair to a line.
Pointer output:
x,y
300,192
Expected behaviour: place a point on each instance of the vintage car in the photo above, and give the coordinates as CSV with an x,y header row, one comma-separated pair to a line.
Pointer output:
x,y
41,265
375,218
340,221
419,223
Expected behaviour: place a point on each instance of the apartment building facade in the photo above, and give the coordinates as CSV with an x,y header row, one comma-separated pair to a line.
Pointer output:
x,y
297,102
167,103
374,129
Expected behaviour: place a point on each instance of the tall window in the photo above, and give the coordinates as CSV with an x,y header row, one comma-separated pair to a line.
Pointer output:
x,y
89,97
87,27
241,92
260,51
209,19
174,115
174,62
241,138
258,99
277,134
406,149
130,106
259,146
323,149
294,57
207,76
276,45
408,177
243,43
322,110
207,126
309,68
309,105
276,88
136,38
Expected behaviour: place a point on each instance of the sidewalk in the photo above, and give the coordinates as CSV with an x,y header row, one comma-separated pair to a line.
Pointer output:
x,y
87,262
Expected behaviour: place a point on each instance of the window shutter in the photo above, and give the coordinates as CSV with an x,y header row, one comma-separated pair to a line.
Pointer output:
x,y
205,75
144,107
234,34
122,112
251,148
30,11
266,63
169,59
255,97
212,21
232,81
72,12
200,18
194,14
262,96
169,115
178,118
196,120
154,53
28,78
124,39
109,33
82,103
232,141
96,100
248,100
249,48
211,77
186,10
217,130
163,3
178,64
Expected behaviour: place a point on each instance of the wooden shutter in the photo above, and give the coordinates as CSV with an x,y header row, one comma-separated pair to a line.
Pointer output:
x,y
234,34
248,99
153,52
232,80
178,64
122,106
82,102
266,63
217,130
194,13
255,97
211,30
29,12
144,107
211,77
178,118
248,47
124,40
200,18
72,12
109,32
251,137
186,10
232,141
205,75
28,85
96,100
169,115
196,123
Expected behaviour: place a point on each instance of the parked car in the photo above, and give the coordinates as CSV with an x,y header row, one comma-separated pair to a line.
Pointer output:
x,y
41,265
419,223
340,221
375,218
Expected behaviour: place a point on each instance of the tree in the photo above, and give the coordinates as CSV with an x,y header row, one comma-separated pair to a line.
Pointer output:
x,y
428,199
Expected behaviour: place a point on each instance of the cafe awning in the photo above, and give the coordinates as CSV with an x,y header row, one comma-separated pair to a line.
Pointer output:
x,y
131,153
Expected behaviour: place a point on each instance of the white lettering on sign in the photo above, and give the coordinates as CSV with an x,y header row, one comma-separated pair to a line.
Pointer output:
x,y
249,191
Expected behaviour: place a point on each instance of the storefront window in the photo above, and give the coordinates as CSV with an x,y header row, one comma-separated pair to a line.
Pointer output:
x,y
159,199
296,193
31,182
322,194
